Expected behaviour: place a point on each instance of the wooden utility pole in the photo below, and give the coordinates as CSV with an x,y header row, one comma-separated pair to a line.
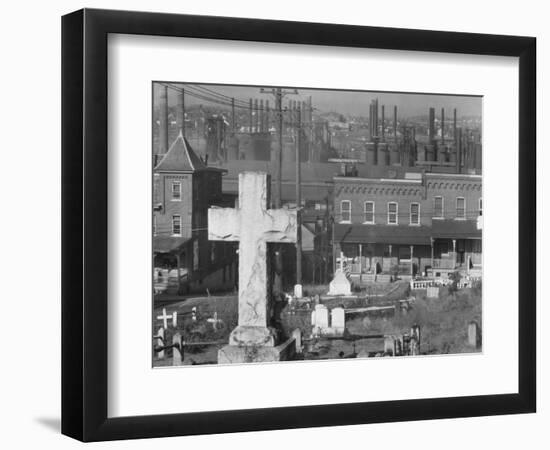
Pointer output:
x,y
298,197
278,93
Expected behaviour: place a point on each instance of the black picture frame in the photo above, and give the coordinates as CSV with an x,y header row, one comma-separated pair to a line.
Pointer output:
x,y
84,224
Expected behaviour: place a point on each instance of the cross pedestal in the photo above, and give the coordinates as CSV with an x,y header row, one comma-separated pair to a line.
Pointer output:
x,y
253,225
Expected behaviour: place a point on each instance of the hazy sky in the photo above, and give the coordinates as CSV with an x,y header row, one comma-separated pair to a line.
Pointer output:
x,y
348,102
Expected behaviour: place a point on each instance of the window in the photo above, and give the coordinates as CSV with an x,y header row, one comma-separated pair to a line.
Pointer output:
x,y
415,214
460,208
176,225
392,213
176,191
480,207
345,211
438,207
369,212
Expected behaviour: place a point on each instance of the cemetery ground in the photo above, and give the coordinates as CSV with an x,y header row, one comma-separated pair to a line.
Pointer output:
x,y
206,322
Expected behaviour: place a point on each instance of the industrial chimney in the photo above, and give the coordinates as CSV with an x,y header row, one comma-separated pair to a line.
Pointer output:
x,y
163,120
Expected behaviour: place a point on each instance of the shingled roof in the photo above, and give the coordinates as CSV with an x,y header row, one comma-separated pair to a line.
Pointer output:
x,y
181,158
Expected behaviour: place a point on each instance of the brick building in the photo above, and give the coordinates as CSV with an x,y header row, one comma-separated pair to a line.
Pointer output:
x,y
410,224
184,188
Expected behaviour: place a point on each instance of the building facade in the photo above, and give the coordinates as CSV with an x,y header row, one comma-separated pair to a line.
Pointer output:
x,y
422,223
184,259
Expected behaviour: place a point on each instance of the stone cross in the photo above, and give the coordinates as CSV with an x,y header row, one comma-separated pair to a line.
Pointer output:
x,y
253,225
164,317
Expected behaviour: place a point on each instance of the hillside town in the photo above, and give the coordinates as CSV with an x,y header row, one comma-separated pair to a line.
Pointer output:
x,y
290,229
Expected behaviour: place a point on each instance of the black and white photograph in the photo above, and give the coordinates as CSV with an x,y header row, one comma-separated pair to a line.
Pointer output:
x,y
296,224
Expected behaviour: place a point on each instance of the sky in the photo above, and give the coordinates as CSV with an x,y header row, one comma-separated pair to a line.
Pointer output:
x,y
345,102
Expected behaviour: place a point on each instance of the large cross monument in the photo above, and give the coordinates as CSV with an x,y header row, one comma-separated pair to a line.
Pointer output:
x,y
253,225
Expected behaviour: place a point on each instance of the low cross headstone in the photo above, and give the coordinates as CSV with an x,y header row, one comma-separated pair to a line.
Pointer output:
x,y
253,225
214,320
164,317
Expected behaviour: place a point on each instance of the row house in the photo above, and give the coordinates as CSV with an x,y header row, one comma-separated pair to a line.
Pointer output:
x,y
184,187
421,223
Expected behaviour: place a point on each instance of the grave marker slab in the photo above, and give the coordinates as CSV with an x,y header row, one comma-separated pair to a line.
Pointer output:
x,y
338,320
340,285
473,334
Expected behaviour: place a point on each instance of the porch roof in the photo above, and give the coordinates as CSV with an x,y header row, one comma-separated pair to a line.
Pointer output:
x,y
455,229
382,234
167,244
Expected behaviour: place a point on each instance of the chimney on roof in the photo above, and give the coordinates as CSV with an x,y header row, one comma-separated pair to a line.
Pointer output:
x,y
163,120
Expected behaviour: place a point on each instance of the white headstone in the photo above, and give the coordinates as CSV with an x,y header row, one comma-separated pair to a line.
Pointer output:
x,y
298,291
432,292
338,322
321,317
253,225
297,335
389,345
340,285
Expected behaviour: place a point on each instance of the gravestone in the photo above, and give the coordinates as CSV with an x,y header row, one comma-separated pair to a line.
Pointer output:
x,y
164,317
432,292
253,225
320,317
298,291
159,341
177,350
473,334
340,285
297,335
338,320
389,345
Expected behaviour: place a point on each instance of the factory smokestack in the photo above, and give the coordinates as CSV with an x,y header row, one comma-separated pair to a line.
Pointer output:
x,y
256,116
262,116
431,125
163,120
395,123
250,122
383,121
442,126
180,113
